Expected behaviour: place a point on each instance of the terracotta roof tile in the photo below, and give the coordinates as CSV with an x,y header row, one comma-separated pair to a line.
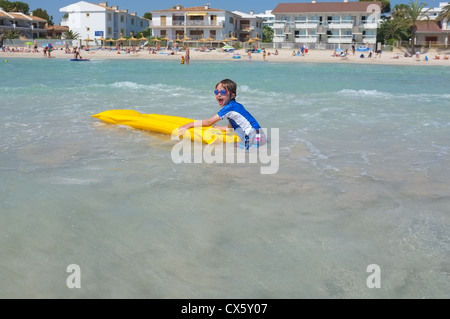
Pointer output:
x,y
428,26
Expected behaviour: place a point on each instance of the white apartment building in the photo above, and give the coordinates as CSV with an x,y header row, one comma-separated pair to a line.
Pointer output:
x,y
327,22
268,18
205,22
92,21
26,25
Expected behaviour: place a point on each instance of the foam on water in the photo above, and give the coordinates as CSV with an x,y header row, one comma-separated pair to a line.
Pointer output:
x,y
363,179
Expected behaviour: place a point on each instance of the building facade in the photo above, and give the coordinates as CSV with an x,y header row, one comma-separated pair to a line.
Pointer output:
x,y
327,22
94,21
26,25
268,18
432,30
197,23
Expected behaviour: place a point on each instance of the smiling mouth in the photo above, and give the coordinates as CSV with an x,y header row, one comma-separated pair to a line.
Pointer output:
x,y
220,100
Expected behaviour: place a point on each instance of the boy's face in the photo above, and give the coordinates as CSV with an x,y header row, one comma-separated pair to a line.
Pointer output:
x,y
223,99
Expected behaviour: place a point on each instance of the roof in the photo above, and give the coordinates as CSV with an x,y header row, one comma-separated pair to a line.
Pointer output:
x,y
428,26
202,8
246,15
324,7
57,28
20,16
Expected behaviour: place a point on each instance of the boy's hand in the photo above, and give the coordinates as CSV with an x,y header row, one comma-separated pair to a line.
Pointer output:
x,y
181,130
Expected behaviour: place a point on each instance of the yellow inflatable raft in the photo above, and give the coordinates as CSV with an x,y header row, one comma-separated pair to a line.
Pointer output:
x,y
165,124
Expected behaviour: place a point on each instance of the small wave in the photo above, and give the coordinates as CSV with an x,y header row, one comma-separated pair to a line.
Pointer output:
x,y
386,95
73,181
363,93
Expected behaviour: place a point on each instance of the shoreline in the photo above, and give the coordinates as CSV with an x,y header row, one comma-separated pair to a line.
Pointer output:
x,y
395,57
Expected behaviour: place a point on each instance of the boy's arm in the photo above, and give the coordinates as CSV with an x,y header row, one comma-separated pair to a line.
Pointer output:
x,y
206,122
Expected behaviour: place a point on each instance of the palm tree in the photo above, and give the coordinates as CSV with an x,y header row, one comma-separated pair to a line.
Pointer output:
x,y
445,13
71,35
414,13
8,34
393,30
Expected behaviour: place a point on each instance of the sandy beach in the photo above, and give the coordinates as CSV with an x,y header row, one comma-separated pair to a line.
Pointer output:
x,y
396,57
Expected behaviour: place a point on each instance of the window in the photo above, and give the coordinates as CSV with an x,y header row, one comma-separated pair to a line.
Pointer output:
x,y
132,21
122,19
109,31
109,17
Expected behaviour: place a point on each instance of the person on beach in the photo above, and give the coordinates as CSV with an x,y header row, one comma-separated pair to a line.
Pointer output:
x,y
240,120
187,55
249,56
77,54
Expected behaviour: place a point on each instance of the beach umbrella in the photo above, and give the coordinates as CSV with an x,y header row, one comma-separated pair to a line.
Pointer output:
x,y
88,39
166,39
155,39
363,49
185,38
256,39
210,40
110,40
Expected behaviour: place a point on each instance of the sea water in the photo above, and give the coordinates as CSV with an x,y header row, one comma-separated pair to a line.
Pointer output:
x,y
358,207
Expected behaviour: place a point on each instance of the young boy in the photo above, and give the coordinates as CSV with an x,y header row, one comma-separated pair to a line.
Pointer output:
x,y
243,123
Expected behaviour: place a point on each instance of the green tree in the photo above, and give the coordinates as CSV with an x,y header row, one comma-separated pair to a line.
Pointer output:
x,y
71,35
14,6
392,30
400,11
385,5
148,16
445,13
267,34
414,13
9,34
147,32
44,15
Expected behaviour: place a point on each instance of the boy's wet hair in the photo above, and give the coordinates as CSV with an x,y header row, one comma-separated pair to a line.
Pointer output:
x,y
228,85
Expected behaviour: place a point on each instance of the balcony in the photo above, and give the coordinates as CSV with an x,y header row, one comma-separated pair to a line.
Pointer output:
x,y
306,39
340,38
373,25
340,25
279,24
370,39
306,24
192,23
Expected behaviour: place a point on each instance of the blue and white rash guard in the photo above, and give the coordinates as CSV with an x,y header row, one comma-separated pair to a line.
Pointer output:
x,y
238,117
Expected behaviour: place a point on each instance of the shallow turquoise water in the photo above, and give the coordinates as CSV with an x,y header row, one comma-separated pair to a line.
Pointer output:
x,y
362,179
